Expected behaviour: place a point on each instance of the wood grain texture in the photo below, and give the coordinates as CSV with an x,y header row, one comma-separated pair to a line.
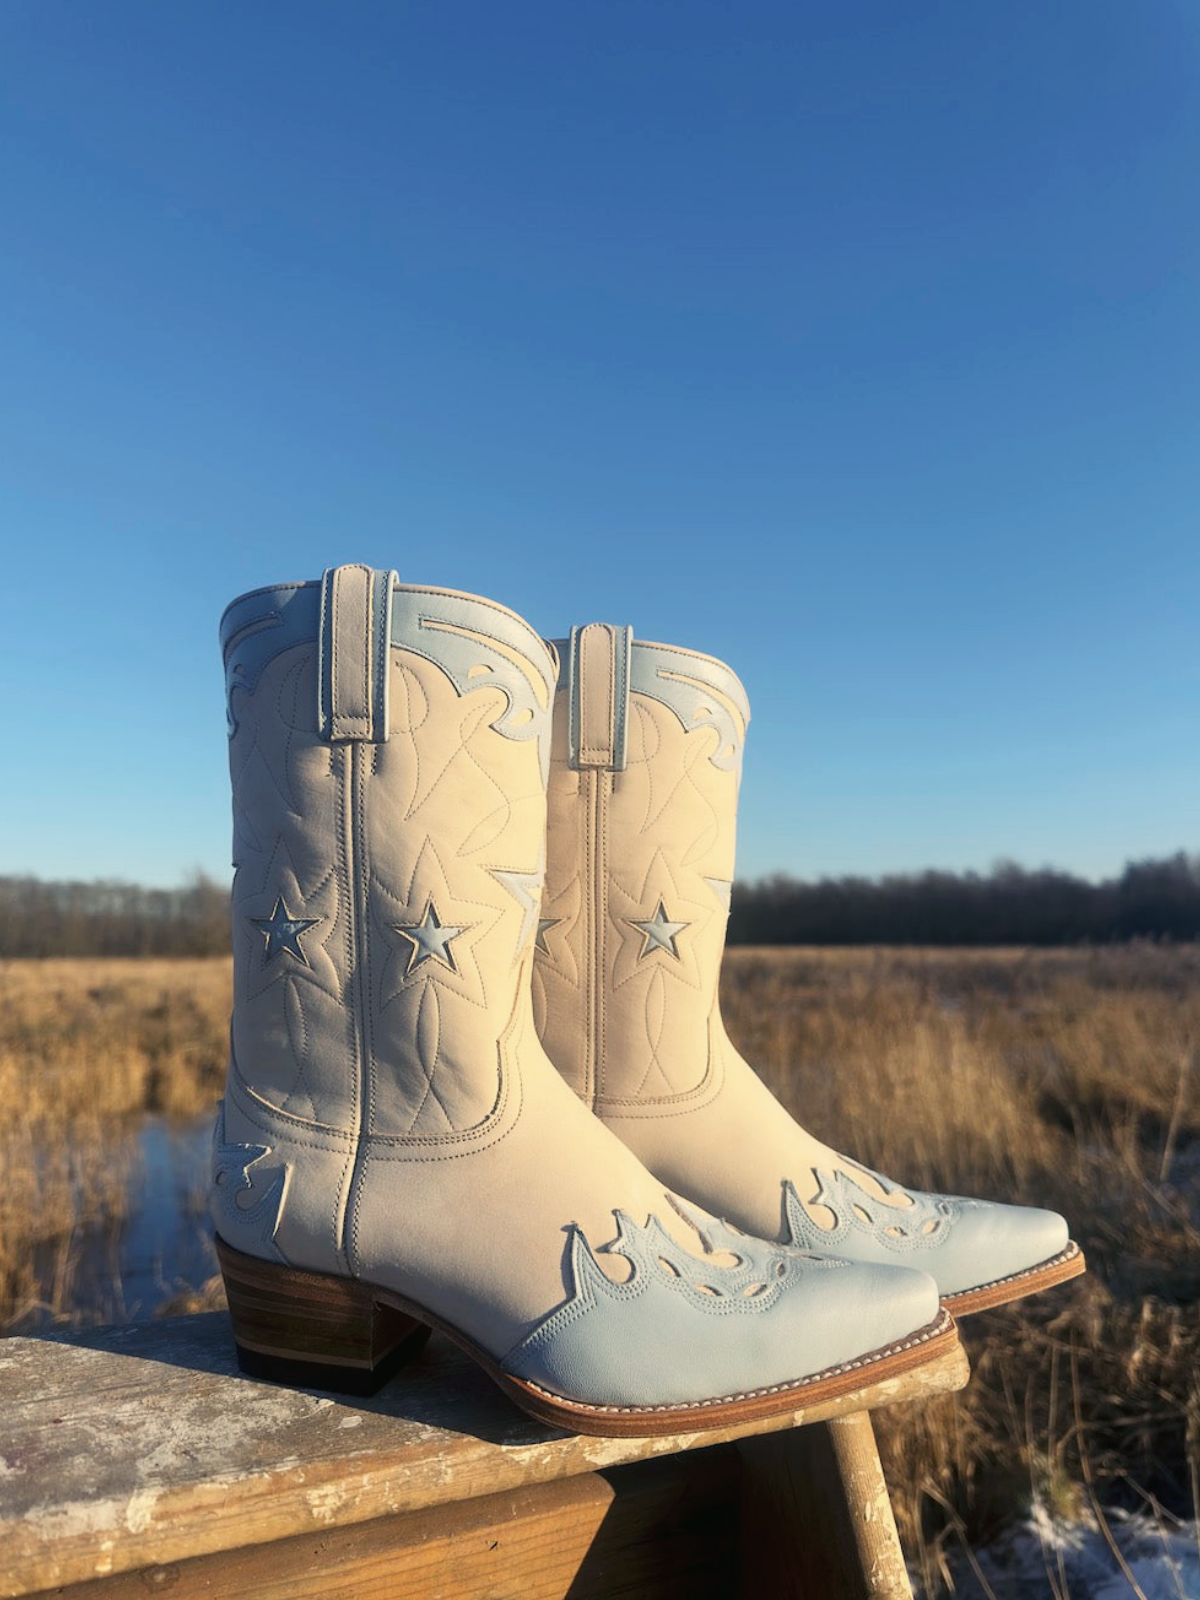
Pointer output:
x,y
816,1516
136,1447
653,1530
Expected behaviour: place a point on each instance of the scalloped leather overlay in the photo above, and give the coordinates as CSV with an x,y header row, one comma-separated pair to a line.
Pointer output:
x,y
921,1222
702,692
702,1329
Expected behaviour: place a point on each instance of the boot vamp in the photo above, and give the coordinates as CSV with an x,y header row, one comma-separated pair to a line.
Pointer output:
x,y
964,1243
738,1153
521,1264
682,1332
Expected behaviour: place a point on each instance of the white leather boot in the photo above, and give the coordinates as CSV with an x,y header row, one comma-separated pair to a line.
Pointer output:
x,y
644,778
394,1150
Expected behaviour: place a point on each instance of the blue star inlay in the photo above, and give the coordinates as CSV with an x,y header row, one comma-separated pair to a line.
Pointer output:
x,y
430,940
659,934
281,931
544,924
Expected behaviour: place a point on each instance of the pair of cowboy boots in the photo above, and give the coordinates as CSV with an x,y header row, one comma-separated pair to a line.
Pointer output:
x,y
478,1076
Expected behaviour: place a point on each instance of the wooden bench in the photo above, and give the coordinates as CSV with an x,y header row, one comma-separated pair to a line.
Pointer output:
x,y
139,1461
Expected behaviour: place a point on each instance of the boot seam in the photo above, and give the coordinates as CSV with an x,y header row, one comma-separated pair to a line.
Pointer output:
x,y
365,997
342,1198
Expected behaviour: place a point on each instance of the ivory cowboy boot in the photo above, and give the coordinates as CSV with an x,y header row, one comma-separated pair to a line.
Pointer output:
x,y
646,761
394,1151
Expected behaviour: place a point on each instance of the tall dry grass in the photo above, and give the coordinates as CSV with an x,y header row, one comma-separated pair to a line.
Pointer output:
x,y
1066,1078
1063,1078
87,1047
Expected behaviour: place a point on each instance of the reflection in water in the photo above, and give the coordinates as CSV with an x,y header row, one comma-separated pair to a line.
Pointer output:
x,y
166,1243
125,1265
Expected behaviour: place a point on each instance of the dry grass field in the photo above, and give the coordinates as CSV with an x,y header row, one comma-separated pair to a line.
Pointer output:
x,y
1067,1078
87,1047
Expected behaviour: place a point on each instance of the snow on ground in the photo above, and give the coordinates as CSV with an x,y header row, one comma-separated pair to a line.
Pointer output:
x,y
1044,1560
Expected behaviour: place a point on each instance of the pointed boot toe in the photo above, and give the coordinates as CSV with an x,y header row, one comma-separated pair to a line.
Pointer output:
x,y
682,1340
980,1252
1014,1250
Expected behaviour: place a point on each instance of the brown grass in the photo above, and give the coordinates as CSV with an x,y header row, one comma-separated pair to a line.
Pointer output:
x,y
1066,1078
86,1048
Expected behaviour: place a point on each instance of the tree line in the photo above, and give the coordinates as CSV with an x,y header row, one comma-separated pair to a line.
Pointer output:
x,y
1157,899
1010,905
39,918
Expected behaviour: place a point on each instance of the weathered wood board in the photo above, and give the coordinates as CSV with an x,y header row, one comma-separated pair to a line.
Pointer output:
x,y
145,1447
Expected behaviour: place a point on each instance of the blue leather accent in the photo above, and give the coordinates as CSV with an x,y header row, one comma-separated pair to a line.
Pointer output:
x,y
681,1331
701,691
246,1198
482,646
962,1243
473,642
258,626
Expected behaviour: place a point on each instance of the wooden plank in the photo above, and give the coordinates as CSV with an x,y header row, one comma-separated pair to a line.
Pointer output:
x,y
817,1518
142,1446
530,1542
654,1530
672,1532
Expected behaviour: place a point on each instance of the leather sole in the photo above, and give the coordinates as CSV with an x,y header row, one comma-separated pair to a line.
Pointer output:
x,y
1069,1263
318,1331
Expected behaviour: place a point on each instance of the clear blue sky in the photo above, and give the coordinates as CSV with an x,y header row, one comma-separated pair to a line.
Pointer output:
x,y
856,344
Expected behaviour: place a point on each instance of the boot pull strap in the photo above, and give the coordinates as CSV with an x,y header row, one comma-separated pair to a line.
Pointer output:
x,y
598,686
353,655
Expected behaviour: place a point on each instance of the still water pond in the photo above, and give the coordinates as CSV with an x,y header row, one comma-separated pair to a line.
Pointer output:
x,y
127,1266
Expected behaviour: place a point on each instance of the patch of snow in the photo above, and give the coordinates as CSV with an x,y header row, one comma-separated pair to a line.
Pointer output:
x,y
1041,1558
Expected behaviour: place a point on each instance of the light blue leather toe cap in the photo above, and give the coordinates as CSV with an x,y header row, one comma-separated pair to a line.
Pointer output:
x,y
963,1243
682,1331
990,1241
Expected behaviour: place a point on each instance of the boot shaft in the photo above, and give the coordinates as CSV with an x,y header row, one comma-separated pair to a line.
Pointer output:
x,y
645,765
388,751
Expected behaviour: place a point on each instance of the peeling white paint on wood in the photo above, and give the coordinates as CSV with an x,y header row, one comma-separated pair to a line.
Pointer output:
x,y
129,1447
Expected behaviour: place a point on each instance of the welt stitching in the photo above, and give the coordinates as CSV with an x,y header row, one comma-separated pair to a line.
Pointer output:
x,y
872,1358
